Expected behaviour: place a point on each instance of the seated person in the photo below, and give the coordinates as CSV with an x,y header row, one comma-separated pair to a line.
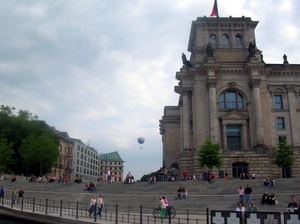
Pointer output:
x,y
14,178
129,178
152,180
31,178
1,177
112,179
184,193
172,178
44,179
253,176
265,199
266,181
212,178
51,178
272,200
271,182
292,206
86,188
60,180
179,193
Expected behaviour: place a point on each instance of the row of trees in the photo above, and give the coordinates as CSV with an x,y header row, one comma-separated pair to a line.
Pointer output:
x,y
27,145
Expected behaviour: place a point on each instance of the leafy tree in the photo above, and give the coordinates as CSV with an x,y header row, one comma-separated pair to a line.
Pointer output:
x,y
15,127
210,154
285,154
6,152
39,151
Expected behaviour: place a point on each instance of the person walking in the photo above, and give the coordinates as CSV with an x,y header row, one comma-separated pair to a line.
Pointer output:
x,y
14,195
92,206
162,206
100,204
20,195
241,194
248,192
2,191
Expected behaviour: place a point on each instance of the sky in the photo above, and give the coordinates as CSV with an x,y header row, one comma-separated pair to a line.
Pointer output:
x,y
103,71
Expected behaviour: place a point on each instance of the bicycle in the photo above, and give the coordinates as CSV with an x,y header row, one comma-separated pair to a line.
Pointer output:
x,y
170,212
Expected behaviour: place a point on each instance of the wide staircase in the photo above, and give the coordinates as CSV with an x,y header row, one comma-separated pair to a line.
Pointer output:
x,y
221,195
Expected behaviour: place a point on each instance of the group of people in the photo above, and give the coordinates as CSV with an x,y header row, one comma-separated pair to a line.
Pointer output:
x,y
268,199
245,176
78,180
89,187
269,181
36,179
129,179
16,195
182,193
292,206
96,203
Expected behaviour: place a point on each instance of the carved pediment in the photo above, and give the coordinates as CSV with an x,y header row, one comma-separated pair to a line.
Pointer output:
x,y
234,115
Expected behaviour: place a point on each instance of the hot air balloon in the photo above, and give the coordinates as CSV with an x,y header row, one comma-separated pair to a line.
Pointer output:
x,y
141,140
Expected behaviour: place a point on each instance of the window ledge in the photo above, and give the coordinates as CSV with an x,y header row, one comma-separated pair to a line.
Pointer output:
x,y
280,110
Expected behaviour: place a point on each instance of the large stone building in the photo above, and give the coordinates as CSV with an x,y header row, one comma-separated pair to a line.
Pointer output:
x,y
226,91
113,162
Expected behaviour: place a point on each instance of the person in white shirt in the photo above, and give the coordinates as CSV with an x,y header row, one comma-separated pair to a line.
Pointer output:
x,y
241,209
92,206
100,204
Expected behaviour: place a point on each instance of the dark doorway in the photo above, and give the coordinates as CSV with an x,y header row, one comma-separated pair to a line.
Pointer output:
x,y
238,168
286,172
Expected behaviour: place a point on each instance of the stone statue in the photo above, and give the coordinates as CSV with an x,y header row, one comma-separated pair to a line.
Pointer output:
x,y
285,61
251,50
185,61
209,50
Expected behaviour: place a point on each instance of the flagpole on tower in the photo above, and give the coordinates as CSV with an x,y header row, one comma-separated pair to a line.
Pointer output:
x,y
215,11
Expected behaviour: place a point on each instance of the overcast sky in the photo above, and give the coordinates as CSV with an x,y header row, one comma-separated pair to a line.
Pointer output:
x,y
104,70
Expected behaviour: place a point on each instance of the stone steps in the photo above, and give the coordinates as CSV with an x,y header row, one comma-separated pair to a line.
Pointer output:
x,y
221,195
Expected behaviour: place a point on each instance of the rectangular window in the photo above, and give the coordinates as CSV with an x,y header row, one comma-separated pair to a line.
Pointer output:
x,y
77,161
278,101
78,147
299,101
280,123
234,137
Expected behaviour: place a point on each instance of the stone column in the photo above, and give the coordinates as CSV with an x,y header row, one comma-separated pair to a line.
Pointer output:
x,y
186,119
255,83
225,136
293,105
213,119
245,142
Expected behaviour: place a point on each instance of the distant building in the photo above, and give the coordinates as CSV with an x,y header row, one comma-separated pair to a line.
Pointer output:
x,y
228,93
86,161
112,162
63,167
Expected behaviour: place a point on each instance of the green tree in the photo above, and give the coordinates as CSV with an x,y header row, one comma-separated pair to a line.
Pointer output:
x,y
284,156
210,154
39,151
6,152
17,126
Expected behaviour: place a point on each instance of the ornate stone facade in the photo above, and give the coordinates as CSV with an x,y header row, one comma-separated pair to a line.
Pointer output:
x,y
237,99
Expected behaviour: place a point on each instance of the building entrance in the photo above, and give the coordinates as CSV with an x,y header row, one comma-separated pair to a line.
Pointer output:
x,y
238,168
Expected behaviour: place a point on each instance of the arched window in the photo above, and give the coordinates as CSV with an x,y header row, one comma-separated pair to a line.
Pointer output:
x,y
213,39
231,99
225,39
238,39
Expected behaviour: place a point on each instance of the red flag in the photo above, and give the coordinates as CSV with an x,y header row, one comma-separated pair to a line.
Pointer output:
x,y
214,11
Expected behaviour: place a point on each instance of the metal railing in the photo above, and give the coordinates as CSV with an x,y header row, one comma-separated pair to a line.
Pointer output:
x,y
140,214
